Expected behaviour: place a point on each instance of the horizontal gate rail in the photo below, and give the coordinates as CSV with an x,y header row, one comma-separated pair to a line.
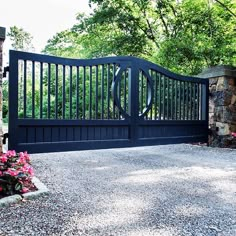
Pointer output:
x,y
61,104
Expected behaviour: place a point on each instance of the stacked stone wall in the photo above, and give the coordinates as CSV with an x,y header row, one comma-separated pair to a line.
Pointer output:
x,y
222,105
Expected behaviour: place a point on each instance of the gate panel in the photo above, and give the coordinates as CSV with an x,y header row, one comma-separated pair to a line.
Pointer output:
x,y
59,104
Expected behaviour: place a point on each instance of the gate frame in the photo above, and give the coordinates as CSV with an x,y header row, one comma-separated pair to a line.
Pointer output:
x,y
132,122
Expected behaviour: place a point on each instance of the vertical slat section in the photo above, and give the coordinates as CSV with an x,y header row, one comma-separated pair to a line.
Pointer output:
x,y
141,94
63,92
180,94
96,92
56,92
204,101
90,93
49,90
102,92
164,97
176,100
194,101
187,101
184,102
172,99
84,91
77,92
156,91
152,102
41,90
125,91
113,103
198,101
70,95
119,94
25,87
108,91
191,101
167,109
33,89
146,99
159,100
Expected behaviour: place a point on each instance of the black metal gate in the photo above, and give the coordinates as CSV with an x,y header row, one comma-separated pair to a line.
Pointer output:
x,y
60,104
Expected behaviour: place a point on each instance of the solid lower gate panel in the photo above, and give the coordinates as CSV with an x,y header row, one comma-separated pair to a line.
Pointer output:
x,y
61,104
72,135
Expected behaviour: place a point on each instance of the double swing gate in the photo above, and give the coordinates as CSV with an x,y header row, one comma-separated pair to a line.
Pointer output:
x,y
61,104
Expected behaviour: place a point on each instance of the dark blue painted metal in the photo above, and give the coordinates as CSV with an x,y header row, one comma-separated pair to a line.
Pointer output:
x,y
64,92
56,92
25,89
70,93
41,89
49,91
77,92
149,104
33,89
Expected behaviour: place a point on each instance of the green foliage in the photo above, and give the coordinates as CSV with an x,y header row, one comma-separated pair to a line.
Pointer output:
x,y
184,36
21,40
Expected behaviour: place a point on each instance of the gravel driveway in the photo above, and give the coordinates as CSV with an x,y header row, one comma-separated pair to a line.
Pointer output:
x,y
159,190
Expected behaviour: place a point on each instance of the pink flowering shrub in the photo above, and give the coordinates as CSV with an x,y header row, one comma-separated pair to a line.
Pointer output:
x,y
233,134
16,173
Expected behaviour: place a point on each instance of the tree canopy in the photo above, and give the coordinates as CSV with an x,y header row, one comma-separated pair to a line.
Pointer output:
x,y
183,36
20,39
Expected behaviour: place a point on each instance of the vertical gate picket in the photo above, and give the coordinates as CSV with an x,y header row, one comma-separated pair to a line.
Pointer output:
x,y
33,89
63,92
96,92
56,91
70,94
25,89
84,90
49,90
41,90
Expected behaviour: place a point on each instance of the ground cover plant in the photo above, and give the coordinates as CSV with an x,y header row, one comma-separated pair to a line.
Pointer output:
x,y
16,173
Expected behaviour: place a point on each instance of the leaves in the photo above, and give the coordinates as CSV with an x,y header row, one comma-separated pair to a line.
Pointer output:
x,y
21,40
18,186
184,36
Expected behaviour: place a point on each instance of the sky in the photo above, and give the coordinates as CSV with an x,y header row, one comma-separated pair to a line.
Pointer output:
x,y
41,18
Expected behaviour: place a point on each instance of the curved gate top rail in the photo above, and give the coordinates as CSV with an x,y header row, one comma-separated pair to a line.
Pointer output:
x,y
60,104
127,60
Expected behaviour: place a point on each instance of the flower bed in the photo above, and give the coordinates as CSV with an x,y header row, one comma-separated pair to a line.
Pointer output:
x,y
16,173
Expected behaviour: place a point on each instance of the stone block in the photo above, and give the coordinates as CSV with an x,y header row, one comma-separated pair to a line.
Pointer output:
x,y
222,98
212,88
225,114
232,127
223,128
231,81
222,84
232,108
213,81
218,111
233,100
211,118
211,105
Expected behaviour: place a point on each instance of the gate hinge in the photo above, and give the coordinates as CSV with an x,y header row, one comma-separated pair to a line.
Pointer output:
x,y
6,69
4,136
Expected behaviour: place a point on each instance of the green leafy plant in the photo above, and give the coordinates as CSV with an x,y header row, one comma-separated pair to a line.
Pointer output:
x,y
16,173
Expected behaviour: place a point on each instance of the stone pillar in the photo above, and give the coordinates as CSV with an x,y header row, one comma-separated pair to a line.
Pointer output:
x,y
222,105
2,38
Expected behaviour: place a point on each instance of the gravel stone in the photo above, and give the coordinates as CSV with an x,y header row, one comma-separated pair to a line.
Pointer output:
x,y
179,190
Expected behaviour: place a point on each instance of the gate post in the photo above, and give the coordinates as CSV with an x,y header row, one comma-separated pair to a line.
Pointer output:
x,y
2,38
222,105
